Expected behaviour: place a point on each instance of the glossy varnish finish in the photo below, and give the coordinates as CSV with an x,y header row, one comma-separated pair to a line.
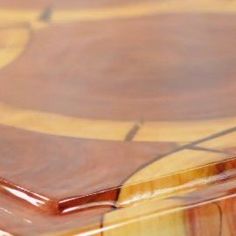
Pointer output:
x,y
117,116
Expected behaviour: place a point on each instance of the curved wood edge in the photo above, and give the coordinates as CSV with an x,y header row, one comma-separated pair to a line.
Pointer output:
x,y
181,214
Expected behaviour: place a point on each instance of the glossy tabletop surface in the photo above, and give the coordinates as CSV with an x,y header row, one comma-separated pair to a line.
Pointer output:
x,y
117,117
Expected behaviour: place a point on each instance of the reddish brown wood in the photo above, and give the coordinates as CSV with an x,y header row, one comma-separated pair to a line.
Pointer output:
x,y
161,67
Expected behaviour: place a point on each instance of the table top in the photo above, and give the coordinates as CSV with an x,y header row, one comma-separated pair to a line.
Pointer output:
x,y
117,117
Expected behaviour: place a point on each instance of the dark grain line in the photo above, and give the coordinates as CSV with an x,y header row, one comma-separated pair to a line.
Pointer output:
x,y
197,148
198,141
46,15
133,131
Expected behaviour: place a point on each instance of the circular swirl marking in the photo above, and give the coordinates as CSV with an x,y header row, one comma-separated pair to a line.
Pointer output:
x,y
14,40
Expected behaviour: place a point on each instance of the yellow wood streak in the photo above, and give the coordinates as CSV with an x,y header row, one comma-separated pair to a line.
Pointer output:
x,y
17,16
182,131
171,224
184,181
221,143
125,11
165,217
183,214
82,231
55,124
143,9
145,219
12,43
62,125
164,222
161,177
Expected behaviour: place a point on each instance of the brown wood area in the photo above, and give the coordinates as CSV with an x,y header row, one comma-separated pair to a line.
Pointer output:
x,y
110,110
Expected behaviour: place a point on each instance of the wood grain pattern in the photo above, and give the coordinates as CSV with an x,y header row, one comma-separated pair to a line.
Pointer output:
x,y
180,214
117,117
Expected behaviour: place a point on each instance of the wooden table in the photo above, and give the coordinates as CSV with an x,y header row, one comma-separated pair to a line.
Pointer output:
x,y
118,117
